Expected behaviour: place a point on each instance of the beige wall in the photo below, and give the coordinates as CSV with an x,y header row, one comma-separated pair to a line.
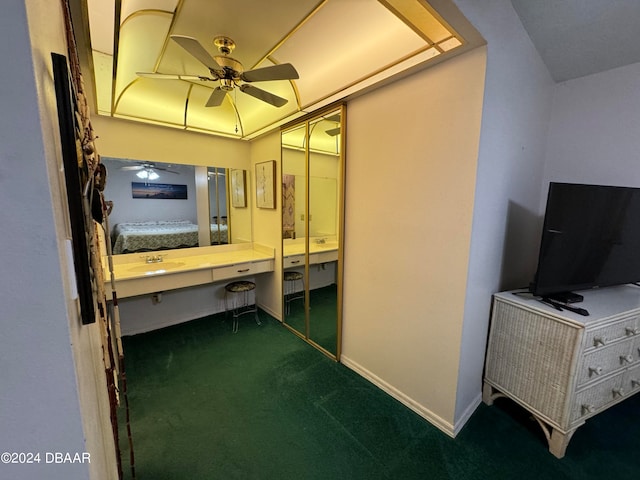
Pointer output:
x,y
267,223
411,158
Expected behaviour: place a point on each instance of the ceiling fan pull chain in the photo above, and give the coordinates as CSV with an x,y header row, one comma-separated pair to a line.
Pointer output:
x,y
235,102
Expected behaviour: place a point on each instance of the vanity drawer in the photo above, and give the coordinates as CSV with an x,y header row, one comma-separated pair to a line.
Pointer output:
x,y
323,257
600,337
603,361
242,270
293,261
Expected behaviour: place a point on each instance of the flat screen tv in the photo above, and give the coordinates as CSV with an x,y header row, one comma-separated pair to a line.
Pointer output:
x,y
590,238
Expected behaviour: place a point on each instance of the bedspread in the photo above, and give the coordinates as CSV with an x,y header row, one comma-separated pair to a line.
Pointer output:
x,y
150,236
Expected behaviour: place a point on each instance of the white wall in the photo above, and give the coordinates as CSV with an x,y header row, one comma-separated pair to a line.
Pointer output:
x,y
411,173
140,314
53,393
506,223
129,209
594,134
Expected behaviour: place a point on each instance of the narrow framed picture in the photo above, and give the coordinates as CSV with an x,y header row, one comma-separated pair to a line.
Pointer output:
x,y
76,173
238,188
266,184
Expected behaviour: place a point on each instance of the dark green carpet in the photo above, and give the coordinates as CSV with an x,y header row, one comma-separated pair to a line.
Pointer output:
x,y
262,404
322,317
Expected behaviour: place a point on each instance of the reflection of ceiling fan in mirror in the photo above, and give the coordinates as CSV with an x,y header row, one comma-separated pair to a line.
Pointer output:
x,y
147,170
332,132
229,72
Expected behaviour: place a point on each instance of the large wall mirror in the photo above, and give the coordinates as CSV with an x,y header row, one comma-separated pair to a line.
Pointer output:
x,y
312,206
159,206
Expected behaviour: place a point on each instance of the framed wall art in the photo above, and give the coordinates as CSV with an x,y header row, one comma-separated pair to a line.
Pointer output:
x,y
159,191
266,184
238,188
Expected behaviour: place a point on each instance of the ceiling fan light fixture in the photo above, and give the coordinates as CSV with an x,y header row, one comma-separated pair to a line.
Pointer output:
x,y
226,84
147,175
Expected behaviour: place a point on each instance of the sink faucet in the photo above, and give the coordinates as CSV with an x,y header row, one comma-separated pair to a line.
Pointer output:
x,y
153,258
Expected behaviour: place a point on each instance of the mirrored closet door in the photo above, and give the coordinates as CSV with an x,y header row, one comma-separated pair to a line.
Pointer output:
x,y
312,219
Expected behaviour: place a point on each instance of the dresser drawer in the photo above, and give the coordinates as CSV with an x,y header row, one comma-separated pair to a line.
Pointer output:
x,y
631,380
606,360
605,335
592,399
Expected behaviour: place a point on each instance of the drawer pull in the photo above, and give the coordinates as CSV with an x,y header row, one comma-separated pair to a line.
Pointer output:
x,y
617,392
588,409
244,270
631,331
595,371
626,359
293,262
597,341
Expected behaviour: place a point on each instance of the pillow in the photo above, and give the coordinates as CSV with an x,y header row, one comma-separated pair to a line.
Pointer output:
x,y
173,222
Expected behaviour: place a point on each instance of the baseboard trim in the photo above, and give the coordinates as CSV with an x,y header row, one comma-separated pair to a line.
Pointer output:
x,y
407,401
270,311
466,415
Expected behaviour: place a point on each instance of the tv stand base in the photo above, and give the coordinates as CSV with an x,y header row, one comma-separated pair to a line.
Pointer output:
x,y
566,297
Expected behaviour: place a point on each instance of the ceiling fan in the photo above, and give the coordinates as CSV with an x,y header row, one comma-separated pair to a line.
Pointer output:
x,y
332,132
147,170
229,72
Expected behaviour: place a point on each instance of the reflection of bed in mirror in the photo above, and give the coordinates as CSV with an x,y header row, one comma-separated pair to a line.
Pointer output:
x,y
161,235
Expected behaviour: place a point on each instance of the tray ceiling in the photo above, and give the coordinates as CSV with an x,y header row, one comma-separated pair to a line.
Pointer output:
x,y
338,47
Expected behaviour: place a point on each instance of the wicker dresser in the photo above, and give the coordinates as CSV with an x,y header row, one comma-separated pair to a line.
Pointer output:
x,y
563,367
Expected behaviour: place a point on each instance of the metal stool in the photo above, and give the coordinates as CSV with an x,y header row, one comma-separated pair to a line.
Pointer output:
x,y
237,294
290,294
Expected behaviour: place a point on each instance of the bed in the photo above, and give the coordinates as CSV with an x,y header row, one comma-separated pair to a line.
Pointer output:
x,y
161,235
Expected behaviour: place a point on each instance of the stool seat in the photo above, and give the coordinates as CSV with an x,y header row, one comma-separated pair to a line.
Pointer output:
x,y
237,294
241,286
292,276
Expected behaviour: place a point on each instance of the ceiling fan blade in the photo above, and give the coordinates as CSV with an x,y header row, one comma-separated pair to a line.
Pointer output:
x,y
332,132
162,169
169,76
133,167
284,71
260,94
216,98
194,47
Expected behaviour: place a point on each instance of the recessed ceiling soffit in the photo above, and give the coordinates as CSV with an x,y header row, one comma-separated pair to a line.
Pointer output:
x,y
335,47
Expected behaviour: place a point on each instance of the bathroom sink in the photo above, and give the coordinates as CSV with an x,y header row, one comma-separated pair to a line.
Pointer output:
x,y
326,246
155,267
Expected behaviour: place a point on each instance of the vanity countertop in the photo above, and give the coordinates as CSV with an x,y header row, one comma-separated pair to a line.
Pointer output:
x,y
299,248
134,266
